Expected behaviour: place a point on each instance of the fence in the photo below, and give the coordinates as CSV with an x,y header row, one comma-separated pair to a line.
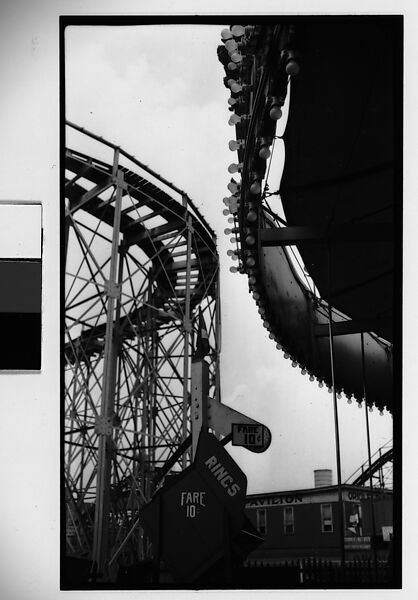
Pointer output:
x,y
314,573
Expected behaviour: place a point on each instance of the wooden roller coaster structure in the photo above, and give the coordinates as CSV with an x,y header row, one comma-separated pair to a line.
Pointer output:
x,y
140,262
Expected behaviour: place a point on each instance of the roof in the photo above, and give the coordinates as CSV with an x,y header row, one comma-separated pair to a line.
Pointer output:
x,y
317,491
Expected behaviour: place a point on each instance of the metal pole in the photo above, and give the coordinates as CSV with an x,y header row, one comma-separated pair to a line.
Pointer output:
x,y
381,484
187,326
336,425
146,387
154,406
147,391
218,339
86,391
369,455
104,421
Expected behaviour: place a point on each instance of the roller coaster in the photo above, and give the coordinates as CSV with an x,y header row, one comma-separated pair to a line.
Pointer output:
x,y
140,262
380,470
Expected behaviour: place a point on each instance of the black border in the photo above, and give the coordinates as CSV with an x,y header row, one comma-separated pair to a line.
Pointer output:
x,y
187,19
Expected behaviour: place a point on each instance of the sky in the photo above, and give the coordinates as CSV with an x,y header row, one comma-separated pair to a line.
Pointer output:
x,y
157,91
29,147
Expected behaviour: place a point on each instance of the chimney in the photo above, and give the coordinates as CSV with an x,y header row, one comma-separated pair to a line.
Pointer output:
x,y
322,477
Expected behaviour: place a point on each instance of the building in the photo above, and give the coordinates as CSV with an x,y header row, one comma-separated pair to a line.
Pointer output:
x,y
306,523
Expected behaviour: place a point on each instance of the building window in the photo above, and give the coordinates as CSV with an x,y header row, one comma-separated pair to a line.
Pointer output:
x,y
326,518
288,520
262,520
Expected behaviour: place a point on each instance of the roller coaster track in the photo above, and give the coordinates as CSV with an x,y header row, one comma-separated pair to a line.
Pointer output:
x,y
334,150
362,475
140,262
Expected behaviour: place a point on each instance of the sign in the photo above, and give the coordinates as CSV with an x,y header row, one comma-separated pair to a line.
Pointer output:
x,y
188,519
255,437
185,524
277,500
387,532
224,419
358,543
222,475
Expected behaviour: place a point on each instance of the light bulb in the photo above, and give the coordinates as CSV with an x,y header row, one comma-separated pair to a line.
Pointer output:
x,y
231,45
232,101
321,384
252,216
292,68
232,66
234,167
255,187
279,346
349,401
256,296
236,88
227,231
250,240
234,257
250,262
230,252
231,220
311,378
236,57
285,355
303,371
294,364
226,34
252,280
233,187
225,211
233,145
330,390
275,112
233,269
234,119
264,152
237,30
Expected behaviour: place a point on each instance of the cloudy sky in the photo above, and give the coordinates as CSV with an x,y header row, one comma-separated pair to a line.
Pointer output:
x,y
157,91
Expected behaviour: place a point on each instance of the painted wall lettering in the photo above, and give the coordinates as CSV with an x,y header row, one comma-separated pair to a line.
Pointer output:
x,y
222,475
275,501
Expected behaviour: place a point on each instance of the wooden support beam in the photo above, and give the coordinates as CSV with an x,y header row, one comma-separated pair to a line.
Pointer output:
x,y
93,193
155,232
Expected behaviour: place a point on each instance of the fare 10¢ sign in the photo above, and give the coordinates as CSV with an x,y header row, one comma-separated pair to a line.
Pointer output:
x,y
192,502
254,437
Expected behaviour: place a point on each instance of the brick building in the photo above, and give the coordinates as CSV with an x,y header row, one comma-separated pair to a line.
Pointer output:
x,y
306,523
